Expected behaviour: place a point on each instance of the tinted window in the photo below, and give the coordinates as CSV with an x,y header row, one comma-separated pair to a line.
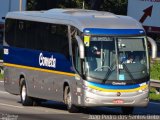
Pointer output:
x,y
10,28
38,35
31,34
57,39
20,36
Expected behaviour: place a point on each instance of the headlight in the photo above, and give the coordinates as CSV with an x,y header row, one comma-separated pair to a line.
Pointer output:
x,y
87,88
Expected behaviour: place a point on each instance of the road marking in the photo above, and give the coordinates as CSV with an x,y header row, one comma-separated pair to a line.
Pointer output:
x,y
47,110
1,81
8,105
38,110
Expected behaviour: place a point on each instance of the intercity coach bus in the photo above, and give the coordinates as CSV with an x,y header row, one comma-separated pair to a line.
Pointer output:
x,y
83,58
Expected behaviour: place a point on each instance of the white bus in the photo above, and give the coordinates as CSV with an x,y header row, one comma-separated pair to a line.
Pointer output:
x,y
83,58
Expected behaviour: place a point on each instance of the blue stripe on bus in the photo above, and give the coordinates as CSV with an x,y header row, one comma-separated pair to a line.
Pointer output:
x,y
28,57
98,31
113,87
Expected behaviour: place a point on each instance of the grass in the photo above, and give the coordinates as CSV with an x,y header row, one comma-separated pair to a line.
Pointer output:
x,y
155,74
153,95
155,70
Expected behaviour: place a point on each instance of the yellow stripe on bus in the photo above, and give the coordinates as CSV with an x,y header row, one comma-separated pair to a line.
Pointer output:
x,y
38,69
119,90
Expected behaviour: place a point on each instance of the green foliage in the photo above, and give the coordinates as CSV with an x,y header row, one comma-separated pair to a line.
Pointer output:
x,y
31,4
155,70
153,95
71,4
152,90
114,6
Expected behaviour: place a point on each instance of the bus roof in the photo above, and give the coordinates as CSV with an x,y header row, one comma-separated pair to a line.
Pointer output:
x,y
79,18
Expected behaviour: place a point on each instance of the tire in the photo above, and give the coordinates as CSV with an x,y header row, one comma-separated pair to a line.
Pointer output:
x,y
127,110
25,99
68,101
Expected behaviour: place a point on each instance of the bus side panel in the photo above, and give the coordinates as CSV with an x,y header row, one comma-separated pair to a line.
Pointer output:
x,y
11,80
47,85
40,84
44,72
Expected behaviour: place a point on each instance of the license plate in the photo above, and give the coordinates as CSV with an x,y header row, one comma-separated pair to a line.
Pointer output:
x,y
118,101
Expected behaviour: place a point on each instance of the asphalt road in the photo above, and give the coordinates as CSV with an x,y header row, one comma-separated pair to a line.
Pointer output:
x,y
11,109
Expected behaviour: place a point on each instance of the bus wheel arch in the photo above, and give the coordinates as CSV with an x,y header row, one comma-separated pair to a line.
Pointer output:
x,y
68,100
64,86
25,99
21,79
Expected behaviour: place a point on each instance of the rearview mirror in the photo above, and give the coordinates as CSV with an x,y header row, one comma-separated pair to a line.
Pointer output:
x,y
81,47
153,47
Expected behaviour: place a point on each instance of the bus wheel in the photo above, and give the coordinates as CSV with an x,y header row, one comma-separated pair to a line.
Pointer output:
x,y
127,110
68,100
25,99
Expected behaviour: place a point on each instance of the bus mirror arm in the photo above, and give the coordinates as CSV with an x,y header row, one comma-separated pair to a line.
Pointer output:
x,y
81,47
81,54
153,47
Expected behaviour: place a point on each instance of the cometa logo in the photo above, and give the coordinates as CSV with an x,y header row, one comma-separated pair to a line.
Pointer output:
x,y
47,62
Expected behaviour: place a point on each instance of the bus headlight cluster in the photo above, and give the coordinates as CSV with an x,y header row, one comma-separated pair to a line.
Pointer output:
x,y
144,89
87,88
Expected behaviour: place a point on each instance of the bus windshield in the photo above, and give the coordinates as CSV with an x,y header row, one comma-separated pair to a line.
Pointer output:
x,y
110,58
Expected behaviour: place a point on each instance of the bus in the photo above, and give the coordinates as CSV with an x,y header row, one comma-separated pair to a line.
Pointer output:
x,y
83,58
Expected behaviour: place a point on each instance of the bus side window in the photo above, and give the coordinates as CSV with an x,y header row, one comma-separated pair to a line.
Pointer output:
x,y
30,34
20,34
58,39
10,31
62,32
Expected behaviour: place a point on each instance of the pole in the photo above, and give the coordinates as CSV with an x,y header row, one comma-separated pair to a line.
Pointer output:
x,y
83,4
9,9
20,5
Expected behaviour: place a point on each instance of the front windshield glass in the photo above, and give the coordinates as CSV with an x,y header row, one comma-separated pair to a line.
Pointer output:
x,y
110,58
132,58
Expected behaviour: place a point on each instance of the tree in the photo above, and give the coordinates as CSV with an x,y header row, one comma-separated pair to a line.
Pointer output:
x,y
94,4
42,4
115,6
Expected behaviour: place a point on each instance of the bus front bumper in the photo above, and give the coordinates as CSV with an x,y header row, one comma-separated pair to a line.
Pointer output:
x,y
111,99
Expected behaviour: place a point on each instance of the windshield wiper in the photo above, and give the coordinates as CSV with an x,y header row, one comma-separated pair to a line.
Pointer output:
x,y
127,70
108,73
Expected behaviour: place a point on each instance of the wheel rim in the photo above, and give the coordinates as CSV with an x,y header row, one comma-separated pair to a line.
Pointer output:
x,y
69,100
23,93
